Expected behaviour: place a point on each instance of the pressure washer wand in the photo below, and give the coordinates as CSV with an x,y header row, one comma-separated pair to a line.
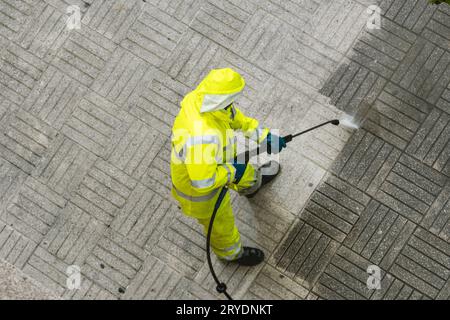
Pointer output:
x,y
289,137
247,155
221,286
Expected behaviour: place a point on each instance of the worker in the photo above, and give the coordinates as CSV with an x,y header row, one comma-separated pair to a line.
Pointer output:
x,y
203,160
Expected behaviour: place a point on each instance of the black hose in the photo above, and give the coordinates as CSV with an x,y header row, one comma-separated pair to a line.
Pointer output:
x,y
221,287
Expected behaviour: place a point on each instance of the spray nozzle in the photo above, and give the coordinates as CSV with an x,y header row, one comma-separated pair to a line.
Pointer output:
x,y
335,122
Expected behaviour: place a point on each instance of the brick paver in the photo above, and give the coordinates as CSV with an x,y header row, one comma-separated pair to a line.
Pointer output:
x,y
85,119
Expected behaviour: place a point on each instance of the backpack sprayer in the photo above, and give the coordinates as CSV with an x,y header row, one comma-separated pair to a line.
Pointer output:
x,y
222,287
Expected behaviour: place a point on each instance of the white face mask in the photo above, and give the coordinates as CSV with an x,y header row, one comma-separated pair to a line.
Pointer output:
x,y
213,102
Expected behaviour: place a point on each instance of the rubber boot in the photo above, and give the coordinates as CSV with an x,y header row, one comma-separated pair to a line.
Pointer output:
x,y
269,171
250,257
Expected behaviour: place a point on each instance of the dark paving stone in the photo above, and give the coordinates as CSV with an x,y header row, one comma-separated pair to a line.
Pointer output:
x,y
345,277
425,71
424,263
304,254
410,188
379,234
437,219
334,208
396,115
431,144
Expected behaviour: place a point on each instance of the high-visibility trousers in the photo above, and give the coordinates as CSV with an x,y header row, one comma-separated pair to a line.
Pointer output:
x,y
225,237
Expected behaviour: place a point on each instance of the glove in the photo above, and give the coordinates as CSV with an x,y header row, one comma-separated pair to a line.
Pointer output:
x,y
275,143
240,169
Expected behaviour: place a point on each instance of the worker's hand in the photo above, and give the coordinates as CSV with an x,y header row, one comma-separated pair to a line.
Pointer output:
x,y
240,169
275,143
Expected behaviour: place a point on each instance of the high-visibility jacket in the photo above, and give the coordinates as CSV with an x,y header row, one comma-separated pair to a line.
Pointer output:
x,y
203,141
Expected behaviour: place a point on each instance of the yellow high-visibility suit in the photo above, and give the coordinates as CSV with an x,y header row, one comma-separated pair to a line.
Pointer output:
x,y
203,148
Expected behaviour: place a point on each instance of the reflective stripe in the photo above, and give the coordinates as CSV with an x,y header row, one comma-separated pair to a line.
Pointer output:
x,y
205,183
234,256
196,199
232,248
229,172
192,141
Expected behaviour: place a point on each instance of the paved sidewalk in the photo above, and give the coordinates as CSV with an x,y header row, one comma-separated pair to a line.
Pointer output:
x,y
85,119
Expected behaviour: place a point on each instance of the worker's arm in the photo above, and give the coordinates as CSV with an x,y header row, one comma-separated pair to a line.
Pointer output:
x,y
204,171
249,126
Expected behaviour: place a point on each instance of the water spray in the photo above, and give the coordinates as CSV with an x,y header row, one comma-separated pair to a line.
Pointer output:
x,y
222,287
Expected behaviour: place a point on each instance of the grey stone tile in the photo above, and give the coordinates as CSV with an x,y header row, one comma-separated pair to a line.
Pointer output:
x,y
262,225
144,218
304,253
112,19
438,28
54,98
187,289
15,248
155,280
153,35
437,219
431,142
16,285
424,263
303,67
396,116
158,101
410,188
34,210
238,278
382,50
379,234
394,289
73,236
64,166
19,72
157,178
97,124
182,246
46,31
192,58
334,208
181,10
263,41
296,14
137,149
103,191
222,21
353,87
413,15
270,284
15,13
345,277
84,54
123,77
424,71
338,24
113,263
11,179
